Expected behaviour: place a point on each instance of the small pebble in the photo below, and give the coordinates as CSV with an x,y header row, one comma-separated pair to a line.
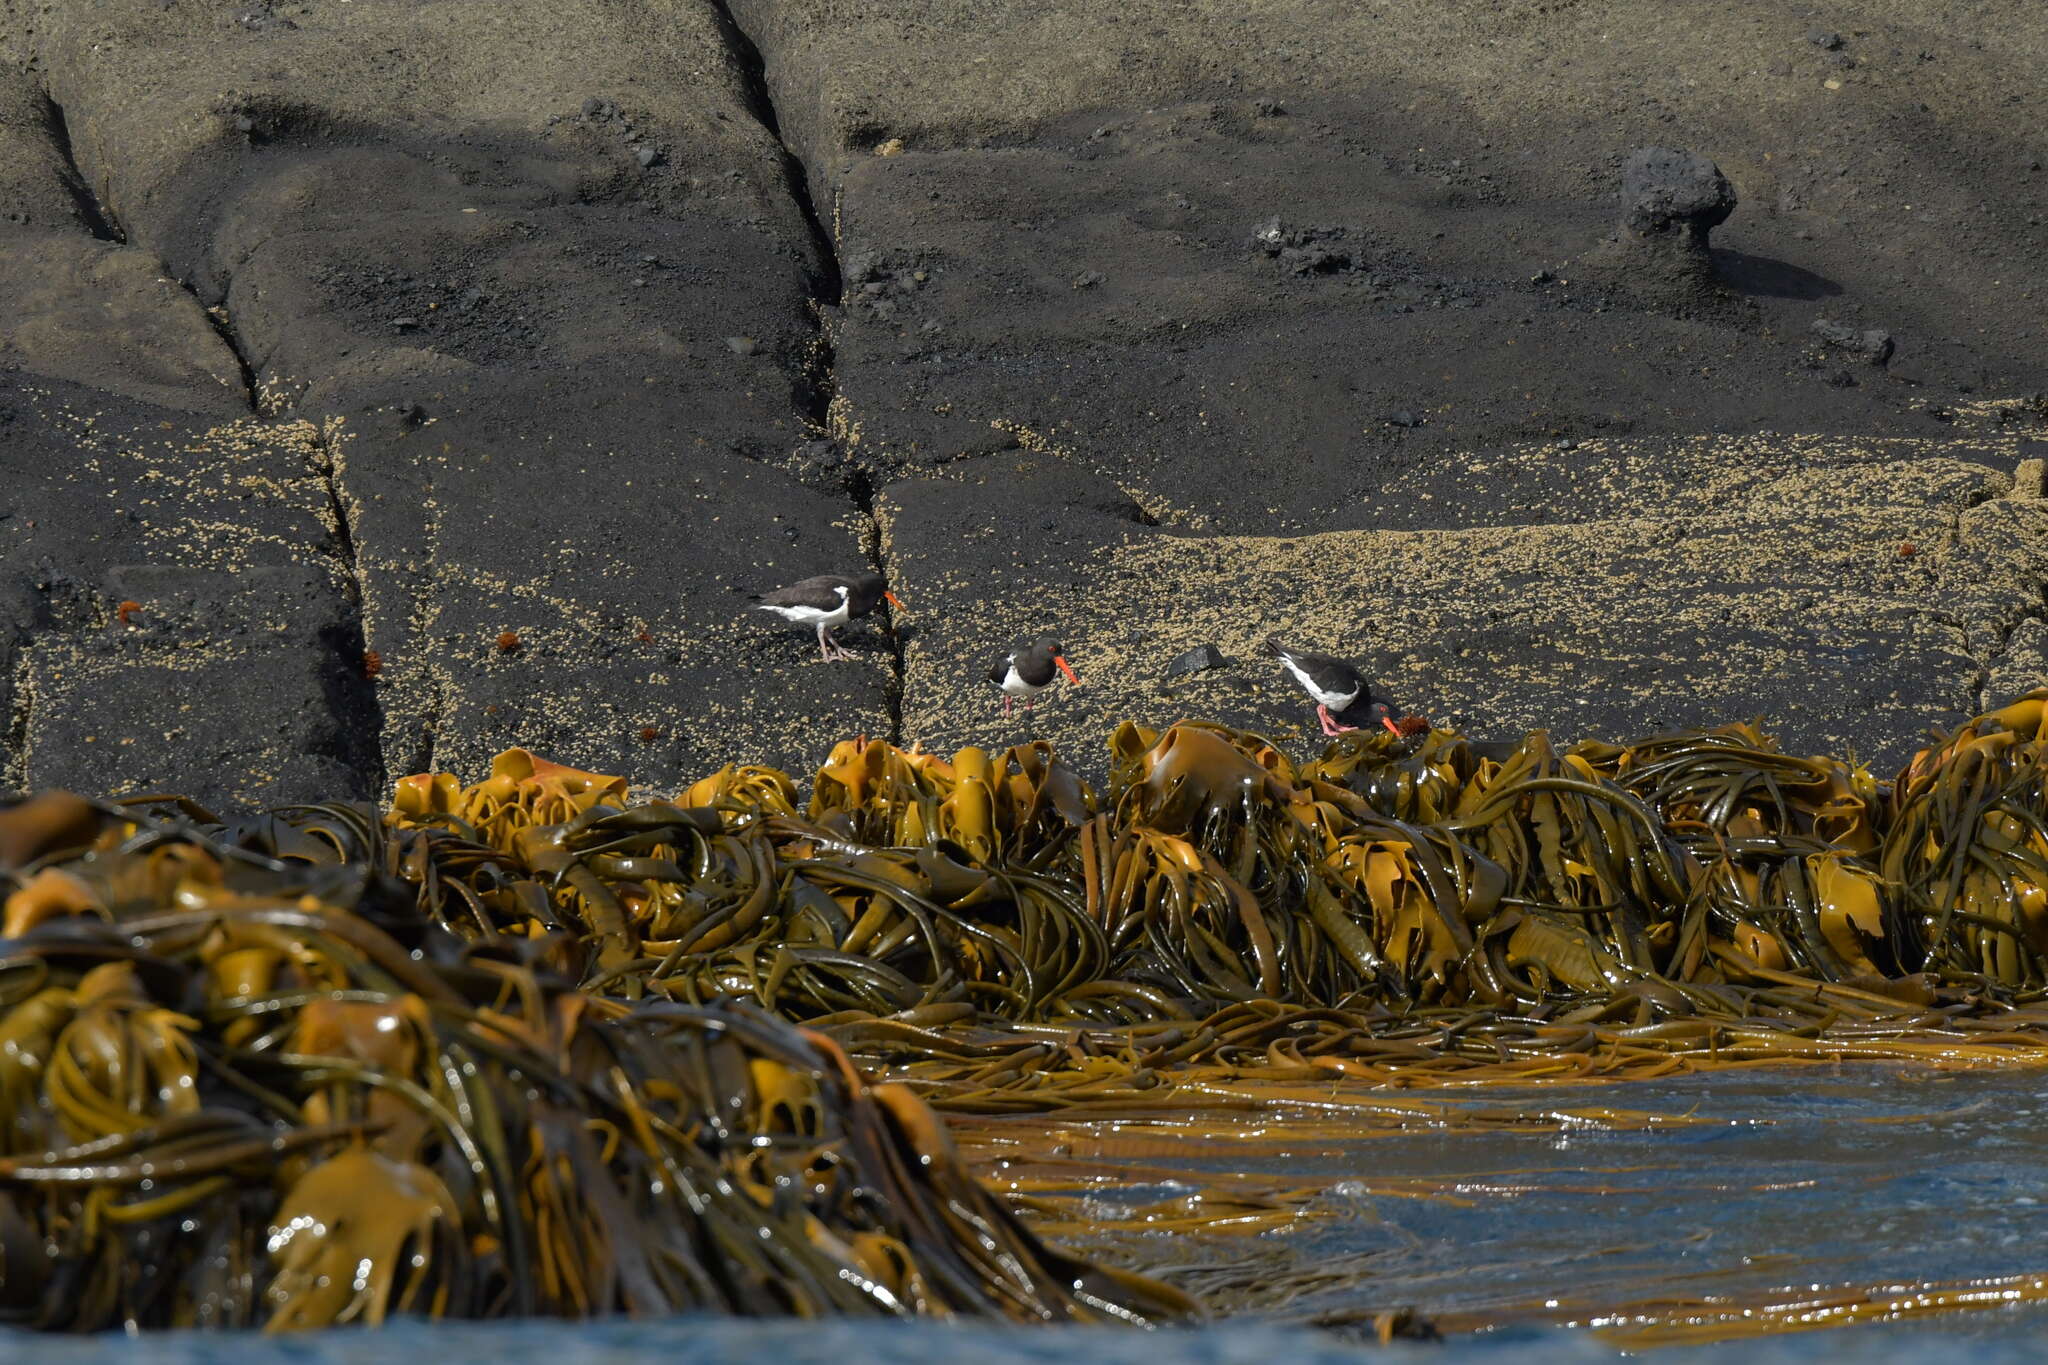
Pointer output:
x,y
1874,344
1197,659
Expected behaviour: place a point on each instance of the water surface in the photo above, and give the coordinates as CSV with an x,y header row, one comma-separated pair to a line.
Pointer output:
x,y
1519,1220
1740,1189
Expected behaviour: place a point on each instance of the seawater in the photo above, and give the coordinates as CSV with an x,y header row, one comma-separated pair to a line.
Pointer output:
x,y
1786,1178
715,1341
1799,1177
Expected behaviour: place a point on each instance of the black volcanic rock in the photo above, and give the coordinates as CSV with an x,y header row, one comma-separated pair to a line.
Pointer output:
x,y
1196,660
1873,344
1673,194
1046,357
1659,253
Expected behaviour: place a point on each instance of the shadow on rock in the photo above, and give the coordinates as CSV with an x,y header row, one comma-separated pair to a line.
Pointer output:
x,y
1749,274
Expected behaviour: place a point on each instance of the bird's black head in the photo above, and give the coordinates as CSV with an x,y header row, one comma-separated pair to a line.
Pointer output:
x,y
1373,715
1050,651
866,593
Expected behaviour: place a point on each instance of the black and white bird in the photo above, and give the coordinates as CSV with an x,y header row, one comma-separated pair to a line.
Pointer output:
x,y
1027,672
828,602
1332,684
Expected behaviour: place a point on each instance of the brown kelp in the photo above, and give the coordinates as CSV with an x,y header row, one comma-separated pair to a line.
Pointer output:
x,y
247,1081
592,1052
1217,890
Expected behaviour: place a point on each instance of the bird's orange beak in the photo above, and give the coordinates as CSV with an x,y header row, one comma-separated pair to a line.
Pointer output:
x,y
894,600
1066,668
1392,728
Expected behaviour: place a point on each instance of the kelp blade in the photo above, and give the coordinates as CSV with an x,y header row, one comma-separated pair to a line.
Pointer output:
x,y
581,1053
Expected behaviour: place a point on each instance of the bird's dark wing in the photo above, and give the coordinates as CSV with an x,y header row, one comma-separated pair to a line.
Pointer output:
x,y
1000,669
1300,658
821,592
1315,665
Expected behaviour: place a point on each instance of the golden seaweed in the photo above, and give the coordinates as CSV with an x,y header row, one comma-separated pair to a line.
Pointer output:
x,y
529,1045
1389,874
361,1113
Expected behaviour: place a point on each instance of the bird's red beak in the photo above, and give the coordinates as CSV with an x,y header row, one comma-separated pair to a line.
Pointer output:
x,y
894,600
1392,728
1066,668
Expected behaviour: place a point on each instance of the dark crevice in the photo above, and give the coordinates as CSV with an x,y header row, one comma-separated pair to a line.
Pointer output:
x,y
101,222
98,219
65,609
863,492
762,106
1998,653
430,730
1973,686
21,701
819,387
351,691
415,752
224,328
421,755
1987,662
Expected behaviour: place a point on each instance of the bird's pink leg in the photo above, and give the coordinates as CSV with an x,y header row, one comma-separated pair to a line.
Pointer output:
x,y
1030,705
1007,704
824,649
1330,725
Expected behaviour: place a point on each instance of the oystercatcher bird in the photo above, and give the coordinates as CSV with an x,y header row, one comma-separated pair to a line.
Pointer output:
x,y
1027,672
1332,684
828,602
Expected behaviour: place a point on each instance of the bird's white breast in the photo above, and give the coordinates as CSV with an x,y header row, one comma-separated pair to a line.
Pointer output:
x,y
812,616
1014,683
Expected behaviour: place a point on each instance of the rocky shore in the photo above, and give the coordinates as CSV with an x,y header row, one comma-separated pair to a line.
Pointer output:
x,y
385,384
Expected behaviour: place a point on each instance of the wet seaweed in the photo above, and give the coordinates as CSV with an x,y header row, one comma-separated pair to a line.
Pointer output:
x,y
539,1044
248,1082
913,900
